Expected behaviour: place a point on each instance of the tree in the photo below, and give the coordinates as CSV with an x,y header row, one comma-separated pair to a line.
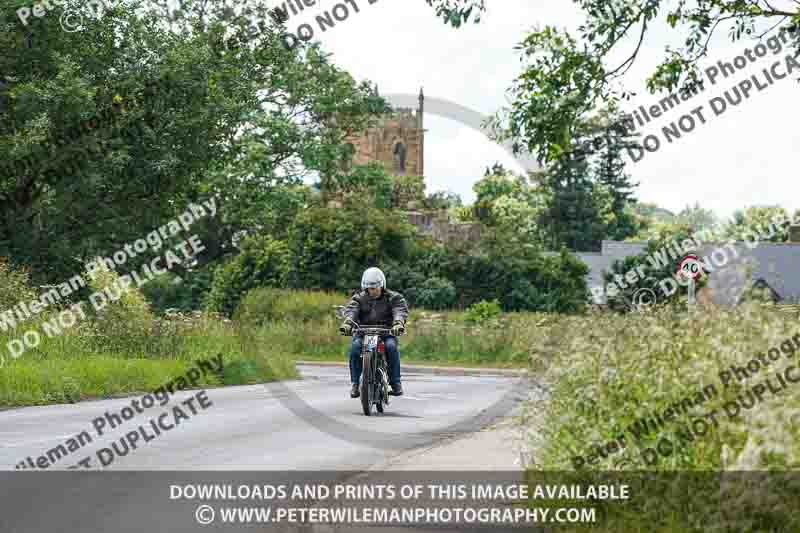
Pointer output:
x,y
367,181
490,188
651,219
443,200
757,223
458,12
111,131
512,206
330,248
518,219
697,218
408,191
520,278
578,211
654,213
263,262
654,229
609,170
566,77
497,169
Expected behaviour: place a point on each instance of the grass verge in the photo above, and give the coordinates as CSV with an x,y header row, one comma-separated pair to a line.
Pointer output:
x,y
694,471
432,339
82,364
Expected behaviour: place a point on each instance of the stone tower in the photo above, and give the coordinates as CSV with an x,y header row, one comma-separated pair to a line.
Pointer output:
x,y
397,141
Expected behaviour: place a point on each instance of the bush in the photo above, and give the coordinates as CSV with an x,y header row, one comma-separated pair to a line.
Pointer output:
x,y
482,312
262,262
443,201
622,300
418,277
433,293
367,181
549,284
406,189
14,285
125,322
405,278
166,291
331,248
262,305
520,279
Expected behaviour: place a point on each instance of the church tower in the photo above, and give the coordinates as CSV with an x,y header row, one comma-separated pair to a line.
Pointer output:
x,y
397,141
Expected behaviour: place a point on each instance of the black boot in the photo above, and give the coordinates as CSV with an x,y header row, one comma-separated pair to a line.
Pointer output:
x,y
397,389
354,392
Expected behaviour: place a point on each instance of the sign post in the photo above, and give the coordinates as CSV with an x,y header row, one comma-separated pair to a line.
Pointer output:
x,y
690,267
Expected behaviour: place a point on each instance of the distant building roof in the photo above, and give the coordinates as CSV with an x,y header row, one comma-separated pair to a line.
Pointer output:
x,y
777,264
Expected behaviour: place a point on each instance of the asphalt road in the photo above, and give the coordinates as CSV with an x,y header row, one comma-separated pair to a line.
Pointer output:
x,y
307,425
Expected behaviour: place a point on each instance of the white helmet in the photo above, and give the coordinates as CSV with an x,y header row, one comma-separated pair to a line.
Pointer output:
x,y
373,278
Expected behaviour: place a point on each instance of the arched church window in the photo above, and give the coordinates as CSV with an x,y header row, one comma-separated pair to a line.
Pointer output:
x,y
400,158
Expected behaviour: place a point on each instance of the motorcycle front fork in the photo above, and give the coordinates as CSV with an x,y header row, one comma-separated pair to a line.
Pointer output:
x,y
382,371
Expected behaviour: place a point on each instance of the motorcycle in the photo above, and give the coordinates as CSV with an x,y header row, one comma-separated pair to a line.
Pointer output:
x,y
374,384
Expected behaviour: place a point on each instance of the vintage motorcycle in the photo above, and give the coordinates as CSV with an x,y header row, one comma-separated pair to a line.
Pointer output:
x,y
374,384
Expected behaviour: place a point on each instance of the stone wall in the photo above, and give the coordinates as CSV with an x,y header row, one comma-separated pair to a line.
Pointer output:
x,y
440,228
794,233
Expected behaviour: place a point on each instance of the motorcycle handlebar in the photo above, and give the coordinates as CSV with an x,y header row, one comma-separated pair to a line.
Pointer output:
x,y
371,330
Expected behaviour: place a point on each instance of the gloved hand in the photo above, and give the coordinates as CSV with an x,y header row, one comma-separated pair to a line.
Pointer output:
x,y
346,328
398,328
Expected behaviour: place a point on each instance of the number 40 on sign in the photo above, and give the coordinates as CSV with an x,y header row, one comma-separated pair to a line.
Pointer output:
x,y
690,267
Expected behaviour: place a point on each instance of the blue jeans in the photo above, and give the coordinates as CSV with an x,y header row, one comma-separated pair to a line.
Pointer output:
x,y
393,355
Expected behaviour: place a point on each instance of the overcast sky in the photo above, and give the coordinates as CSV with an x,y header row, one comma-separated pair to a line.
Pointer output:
x,y
746,156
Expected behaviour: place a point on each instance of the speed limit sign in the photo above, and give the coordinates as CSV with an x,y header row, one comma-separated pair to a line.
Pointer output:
x,y
690,267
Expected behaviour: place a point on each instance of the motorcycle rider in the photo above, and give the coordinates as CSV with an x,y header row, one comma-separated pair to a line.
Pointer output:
x,y
375,305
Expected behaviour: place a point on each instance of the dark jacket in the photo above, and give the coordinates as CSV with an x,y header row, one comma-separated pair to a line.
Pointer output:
x,y
384,310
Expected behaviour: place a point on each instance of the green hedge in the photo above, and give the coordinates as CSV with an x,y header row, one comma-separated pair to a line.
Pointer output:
x,y
329,249
263,261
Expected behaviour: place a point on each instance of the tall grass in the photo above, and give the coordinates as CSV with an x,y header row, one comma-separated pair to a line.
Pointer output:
x,y
442,340
266,305
122,348
77,365
303,325
604,371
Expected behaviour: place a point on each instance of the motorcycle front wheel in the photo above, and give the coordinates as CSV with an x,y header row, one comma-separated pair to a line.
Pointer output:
x,y
379,396
366,382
